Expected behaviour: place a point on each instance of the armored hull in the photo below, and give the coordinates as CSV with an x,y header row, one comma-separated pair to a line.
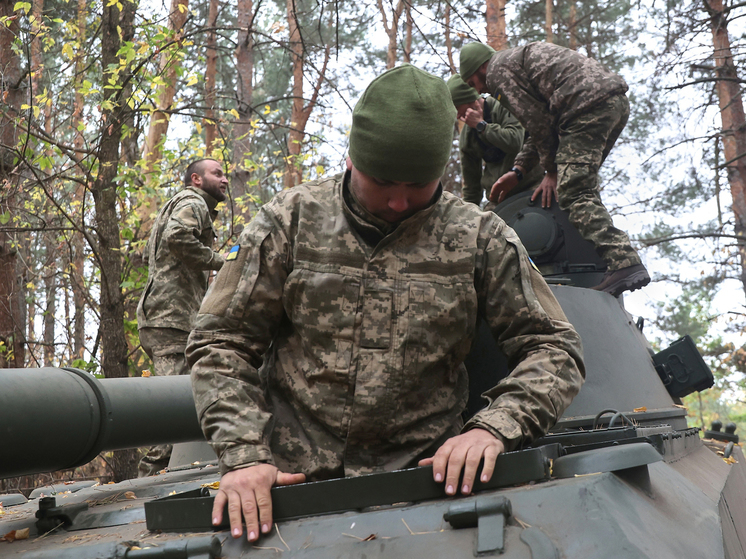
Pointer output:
x,y
620,476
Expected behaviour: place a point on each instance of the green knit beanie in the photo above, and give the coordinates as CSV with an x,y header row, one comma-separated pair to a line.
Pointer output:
x,y
402,126
472,57
461,92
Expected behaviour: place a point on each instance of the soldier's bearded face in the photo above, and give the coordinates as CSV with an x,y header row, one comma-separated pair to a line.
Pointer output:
x,y
478,81
391,201
212,179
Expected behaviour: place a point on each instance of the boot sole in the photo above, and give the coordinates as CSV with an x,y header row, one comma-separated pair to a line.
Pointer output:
x,y
632,282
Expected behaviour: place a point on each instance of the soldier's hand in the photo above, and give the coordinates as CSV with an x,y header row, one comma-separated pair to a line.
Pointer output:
x,y
465,451
504,184
473,117
546,190
247,492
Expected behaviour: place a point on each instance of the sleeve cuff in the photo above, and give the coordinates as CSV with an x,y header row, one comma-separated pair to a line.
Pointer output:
x,y
500,424
243,456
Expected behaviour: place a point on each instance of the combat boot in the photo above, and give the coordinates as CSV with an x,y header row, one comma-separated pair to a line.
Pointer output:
x,y
626,279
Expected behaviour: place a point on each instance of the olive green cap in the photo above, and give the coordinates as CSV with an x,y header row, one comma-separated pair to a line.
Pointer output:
x,y
461,92
402,126
472,57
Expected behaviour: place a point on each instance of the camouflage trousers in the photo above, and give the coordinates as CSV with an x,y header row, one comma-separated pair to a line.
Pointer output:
x,y
165,346
584,144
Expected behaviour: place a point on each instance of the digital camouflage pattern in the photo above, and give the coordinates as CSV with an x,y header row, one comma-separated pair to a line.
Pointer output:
x,y
332,355
574,110
165,346
546,86
180,257
584,144
482,166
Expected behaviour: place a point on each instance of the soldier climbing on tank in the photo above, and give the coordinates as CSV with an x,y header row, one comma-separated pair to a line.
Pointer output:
x,y
180,258
488,144
332,342
574,110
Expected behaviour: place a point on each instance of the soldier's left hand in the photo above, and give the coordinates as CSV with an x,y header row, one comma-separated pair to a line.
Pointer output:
x,y
546,190
465,451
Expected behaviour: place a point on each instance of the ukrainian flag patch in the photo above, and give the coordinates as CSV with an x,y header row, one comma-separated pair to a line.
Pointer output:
x,y
233,253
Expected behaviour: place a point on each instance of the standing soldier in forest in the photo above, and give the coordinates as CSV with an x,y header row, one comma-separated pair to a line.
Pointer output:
x,y
180,257
574,110
488,143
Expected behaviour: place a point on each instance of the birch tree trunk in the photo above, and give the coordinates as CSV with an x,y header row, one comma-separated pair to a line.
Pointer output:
x,y
733,121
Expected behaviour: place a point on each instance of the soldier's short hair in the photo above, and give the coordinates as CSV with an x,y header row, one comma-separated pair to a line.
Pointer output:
x,y
195,167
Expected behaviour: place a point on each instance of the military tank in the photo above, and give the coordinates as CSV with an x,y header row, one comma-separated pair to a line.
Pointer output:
x,y
621,475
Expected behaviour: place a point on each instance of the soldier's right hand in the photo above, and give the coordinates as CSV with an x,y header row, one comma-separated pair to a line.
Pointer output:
x,y
247,492
504,184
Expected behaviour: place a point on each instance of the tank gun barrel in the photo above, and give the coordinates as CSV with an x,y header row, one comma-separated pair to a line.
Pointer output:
x,y
59,418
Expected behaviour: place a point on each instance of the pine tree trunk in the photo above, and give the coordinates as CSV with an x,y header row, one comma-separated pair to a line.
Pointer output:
x,y
573,21
391,31
212,57
448,40
77,272
497,38
300,114
548,25
241,134
733,121
12,94
408,33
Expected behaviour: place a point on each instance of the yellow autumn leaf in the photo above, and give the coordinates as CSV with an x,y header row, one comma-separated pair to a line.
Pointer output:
x,y
213,485
192,79
234,112
130,495
146,373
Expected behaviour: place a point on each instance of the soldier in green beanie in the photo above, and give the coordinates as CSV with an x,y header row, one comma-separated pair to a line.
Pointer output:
x,y
332,342
574,110
488,144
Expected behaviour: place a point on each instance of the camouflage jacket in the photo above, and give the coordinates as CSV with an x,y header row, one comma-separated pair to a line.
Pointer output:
x,y
544,86
487,155
179,256
362,342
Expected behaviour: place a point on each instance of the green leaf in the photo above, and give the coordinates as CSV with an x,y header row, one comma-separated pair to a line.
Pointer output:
x,y
4,218
25,6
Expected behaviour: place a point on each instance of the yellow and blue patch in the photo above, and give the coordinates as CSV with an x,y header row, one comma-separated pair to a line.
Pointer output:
x,y
233,253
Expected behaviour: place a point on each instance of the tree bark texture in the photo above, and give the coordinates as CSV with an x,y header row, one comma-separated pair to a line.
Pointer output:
x,y
241,133
392,30
300,113
104,190
572,23
211,129
548,24
448,40
12,96
733,121
77,270
497,38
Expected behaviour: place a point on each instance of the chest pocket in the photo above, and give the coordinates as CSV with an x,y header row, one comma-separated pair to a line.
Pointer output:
x,y
442,319
321,306
377,317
